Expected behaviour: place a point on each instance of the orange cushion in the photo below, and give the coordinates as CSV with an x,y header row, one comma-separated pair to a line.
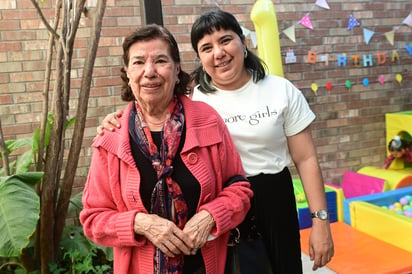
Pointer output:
x,y
357,252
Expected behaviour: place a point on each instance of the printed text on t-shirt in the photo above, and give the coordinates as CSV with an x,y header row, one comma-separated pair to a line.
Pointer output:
x,y
253,119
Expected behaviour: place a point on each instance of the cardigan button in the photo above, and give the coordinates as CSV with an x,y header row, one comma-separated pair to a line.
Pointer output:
x,y
192,158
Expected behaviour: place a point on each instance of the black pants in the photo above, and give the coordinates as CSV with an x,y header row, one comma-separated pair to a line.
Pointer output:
x,y
276,219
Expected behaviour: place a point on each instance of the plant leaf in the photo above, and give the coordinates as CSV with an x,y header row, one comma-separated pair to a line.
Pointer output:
x,y
36,140
74,240
16,144
19,213
75,203
70,122
24,161
29,178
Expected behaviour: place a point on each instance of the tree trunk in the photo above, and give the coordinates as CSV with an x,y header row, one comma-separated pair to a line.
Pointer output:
x,y
3,150
53,213
51,176
75,148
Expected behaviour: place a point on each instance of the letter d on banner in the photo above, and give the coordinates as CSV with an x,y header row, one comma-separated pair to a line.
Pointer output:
x,y
263,16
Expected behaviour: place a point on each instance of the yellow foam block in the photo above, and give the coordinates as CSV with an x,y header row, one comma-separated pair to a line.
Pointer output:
x,y
360,253
353,185
394,178
382,223
395,124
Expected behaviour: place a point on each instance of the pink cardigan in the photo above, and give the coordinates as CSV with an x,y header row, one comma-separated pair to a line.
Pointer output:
x,y
111,196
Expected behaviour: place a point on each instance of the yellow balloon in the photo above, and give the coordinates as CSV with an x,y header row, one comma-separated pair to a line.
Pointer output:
x,y
399,78
264,19
314,87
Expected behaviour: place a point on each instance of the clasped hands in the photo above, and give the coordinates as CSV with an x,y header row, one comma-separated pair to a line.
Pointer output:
x,y
169,238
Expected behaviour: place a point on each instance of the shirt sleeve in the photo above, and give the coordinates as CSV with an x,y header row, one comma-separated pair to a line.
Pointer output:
x,y
298,115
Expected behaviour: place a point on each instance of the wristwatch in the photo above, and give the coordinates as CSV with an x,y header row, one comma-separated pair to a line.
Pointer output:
x,y
321,214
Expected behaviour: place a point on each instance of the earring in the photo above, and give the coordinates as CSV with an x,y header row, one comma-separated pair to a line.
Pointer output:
x,y
245,55
178,81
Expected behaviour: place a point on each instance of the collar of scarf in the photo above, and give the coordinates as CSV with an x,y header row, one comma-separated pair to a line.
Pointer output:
x,y
167,198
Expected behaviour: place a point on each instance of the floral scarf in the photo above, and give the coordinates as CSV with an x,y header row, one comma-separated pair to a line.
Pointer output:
x,y
167,198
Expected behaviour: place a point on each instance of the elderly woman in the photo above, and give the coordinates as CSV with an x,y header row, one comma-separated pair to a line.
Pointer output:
x,y
155,188
269,120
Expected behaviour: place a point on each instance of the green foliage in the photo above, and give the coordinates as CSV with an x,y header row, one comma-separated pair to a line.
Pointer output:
x,y
77,253
80,255
22,164
20,213
31,145
19,202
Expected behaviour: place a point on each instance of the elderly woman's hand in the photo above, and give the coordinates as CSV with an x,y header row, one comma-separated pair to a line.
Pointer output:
x,y
198,229
163,233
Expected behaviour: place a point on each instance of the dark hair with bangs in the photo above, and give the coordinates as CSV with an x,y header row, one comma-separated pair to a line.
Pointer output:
x,y
210,22
148,33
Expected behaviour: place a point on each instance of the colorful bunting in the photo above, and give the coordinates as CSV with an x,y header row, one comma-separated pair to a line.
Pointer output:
x,y
368,60
389,36
245,31
352,22
253,38
290,33
367,34
322,4
408,20
305,21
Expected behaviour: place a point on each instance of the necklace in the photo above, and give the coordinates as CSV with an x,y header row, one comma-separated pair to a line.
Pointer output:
x,y
156,126
156,123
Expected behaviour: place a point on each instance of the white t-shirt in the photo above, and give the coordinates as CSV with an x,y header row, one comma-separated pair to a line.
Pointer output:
x,y
259,116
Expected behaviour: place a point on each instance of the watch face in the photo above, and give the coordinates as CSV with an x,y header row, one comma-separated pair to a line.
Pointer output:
x,y
323,214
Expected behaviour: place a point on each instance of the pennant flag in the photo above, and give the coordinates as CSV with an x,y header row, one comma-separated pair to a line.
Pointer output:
x,y
322,4
245,31
305,21
367,34
290,33
352,22
389,36
408,20
253,38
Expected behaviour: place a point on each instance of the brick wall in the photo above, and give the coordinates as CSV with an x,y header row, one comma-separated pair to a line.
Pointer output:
x,y
350,128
